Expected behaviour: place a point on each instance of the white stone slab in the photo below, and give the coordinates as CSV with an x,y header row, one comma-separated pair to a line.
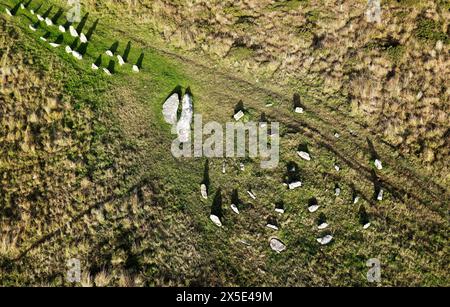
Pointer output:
x,y
73,32
299,110
314,208
170,109
322,226
8,12
378,164
238,116
62,29
135,68
106,70
32,28
272,226
109,53
325,240
380,195
83,38
94,67
184,124
250,193
295,185
234,208
54,45
204,191
366,226
49,22
304,155
277,245
120,59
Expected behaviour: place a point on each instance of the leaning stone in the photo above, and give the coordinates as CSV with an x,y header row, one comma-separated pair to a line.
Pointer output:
x,y
234,208
32,12
304,155
325,240
356,200
120,59
279,210
322,226
215,219
83,38
380,195
170,109
250,193
295,185
238,115
378,164
77,55
277,245
366,226
184,124
204,191
299,110
314,208
272,226
73,32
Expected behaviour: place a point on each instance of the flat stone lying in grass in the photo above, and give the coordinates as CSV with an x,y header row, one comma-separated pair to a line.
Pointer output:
x,y
337,135
304,155
251,194
366,226
295,185
234,208
325,240
216,220
39,17
184,124
68,49
54,45
380,195
94,67
204,191
279,207
337,191
32,28
322,226
238,116
271,226
224,168
170,109
378,164
77,55
277,245
62,29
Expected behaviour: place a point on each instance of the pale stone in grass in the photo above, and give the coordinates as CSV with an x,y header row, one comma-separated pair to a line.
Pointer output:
x,y
54,45
322,226
419,95
40,17
250,193
224,170
439,45
272,226
106,70
313,208
337,168
356,200
242,167
43,39
378,164
366,226
22,6
184,124
77,55
120,59
49,22
109,53
204,191
94,67
83,38
62,29
32,28
304,155
337,191
325,240
277,245
337,135
238,115
215,219
299,110
68,49
32,12
279,210
234,208
380,195
8,12
73,32
295,185
170,109
135,68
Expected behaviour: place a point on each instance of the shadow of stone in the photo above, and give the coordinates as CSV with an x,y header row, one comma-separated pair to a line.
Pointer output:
x,y
296,101
126,53
177,90
235,198
91,30
98,61
82,23
112,66
376,184
363,216
239,107
373,153
292,172
15,9
206,180
47,13
57,16
322,218
303,147
82,49
114,47
140,61
216,208
36,11
313,202
74,44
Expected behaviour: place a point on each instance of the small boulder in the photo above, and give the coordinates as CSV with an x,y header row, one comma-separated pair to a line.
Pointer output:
x,y
238,116
170,109
204,191
322,226
295,185
234,208
378,164
325,240
277,245
216,220
304,155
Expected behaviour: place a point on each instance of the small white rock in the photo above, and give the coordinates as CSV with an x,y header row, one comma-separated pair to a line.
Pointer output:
x,y
43,38
279,210
215,219
356,200
238,115
73,32
250,193
120,59
54,45
32,12
109,53
83,38
234,208
304,155
322,226
378,164
337,135
295,185
439,45
224,170
299,110
337,191
337,168
204,191
277,245
8,12
314,208
325,240
22,6
242,167
77,55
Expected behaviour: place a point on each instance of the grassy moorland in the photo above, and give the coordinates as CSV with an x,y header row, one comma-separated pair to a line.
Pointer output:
x,y
86,172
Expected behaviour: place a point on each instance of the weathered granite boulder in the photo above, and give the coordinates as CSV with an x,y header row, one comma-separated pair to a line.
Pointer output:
x,y
204,191
304,155
216,220
277,245
170,109
378,164
325,240
184,124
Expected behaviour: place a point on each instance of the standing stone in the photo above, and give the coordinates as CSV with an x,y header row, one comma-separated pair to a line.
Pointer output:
x,y
295,185
238,116
378,164
170,109
234,208
277,245
304,155
380,195
325,240
184,124
216,220
204,191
